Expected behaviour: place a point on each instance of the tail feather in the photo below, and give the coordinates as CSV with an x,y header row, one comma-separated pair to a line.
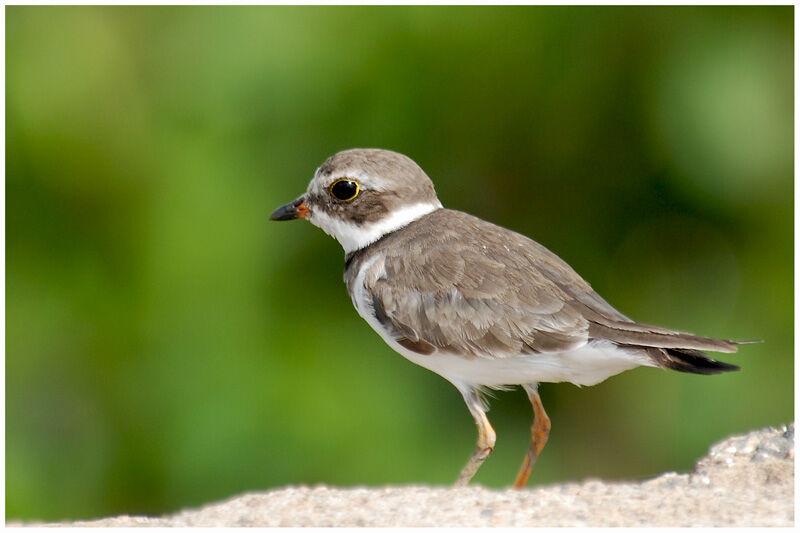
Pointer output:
x,y
636,334
688,360
666,348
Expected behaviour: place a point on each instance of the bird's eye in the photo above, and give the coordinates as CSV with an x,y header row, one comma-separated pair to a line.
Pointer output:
x,y
345,189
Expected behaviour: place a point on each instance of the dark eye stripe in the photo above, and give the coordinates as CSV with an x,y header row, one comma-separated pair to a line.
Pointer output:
x,y
344,190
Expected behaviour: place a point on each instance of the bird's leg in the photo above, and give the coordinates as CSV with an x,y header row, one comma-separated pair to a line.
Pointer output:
x,y
486,437
540,430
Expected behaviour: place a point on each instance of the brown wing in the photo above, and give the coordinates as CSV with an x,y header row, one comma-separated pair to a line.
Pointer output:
x,y
458,284
454,288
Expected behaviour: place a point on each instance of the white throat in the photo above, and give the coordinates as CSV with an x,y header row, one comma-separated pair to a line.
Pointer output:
x,y
353,237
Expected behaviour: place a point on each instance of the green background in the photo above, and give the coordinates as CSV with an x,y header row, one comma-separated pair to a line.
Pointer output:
x,y
167,345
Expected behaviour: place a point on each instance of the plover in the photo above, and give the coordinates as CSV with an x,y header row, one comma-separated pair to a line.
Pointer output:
x,y
480,305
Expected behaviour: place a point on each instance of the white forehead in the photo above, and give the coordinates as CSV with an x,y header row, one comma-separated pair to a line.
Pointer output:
x,y
320,183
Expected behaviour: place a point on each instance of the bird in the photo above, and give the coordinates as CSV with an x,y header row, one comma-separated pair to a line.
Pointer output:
x,y
481,305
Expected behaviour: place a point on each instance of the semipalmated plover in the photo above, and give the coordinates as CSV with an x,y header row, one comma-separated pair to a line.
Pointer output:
x,y
480,305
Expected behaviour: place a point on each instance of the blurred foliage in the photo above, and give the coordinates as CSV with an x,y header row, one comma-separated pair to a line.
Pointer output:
x,y
166,345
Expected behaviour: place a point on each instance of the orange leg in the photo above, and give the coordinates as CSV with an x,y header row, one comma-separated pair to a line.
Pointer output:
x,y
486,438
539,433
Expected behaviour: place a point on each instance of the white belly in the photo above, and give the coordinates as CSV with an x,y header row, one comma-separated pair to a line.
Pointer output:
x,y
587,365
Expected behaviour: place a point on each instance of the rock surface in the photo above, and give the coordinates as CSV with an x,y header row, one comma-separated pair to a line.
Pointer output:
x,y
746,480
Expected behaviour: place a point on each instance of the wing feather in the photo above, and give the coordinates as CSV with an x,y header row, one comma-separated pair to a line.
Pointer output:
x,y
475,297
458,284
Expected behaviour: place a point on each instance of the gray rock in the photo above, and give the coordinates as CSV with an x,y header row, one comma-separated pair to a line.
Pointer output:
x,y
746,480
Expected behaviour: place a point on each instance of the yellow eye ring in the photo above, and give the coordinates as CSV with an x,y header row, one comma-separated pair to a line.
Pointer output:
x,y
344,189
